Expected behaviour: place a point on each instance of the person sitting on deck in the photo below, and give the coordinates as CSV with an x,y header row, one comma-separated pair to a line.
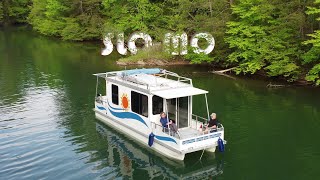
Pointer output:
x,y
165,123
213,123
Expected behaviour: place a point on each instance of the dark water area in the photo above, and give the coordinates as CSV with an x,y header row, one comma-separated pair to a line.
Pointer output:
x,y
48,129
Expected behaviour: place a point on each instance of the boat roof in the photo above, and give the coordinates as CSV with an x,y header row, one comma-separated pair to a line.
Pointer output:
x,y
154,81
179,92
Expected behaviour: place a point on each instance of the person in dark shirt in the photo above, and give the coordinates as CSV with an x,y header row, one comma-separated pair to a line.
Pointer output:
x,y
165,123
213,122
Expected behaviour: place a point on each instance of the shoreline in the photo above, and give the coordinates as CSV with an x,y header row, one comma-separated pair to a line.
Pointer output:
x,y
147,62
153,62
274,82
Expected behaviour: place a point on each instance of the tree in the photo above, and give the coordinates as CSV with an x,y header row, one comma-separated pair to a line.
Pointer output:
x,y
19,10
312,57
46,16
14,11
260,41
84,20
200,16
1,13
134,15
71,20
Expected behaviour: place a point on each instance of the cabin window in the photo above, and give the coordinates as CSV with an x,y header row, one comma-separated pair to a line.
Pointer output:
x,y
139,103
115,94
157,105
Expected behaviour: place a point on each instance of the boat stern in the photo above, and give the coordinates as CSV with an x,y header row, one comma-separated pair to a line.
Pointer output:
x,y
202,142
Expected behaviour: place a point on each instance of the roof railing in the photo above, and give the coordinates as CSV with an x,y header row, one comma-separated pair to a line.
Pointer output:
x,y
164,74
167,74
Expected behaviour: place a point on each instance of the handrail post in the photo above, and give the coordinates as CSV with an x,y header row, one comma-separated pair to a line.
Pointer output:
x,y
196,122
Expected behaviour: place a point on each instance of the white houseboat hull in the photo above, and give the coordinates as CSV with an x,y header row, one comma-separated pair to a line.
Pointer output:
x,y
139,137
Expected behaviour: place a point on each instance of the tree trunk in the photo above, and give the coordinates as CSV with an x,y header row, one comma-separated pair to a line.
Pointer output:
x,y
210,4
81,7
5,6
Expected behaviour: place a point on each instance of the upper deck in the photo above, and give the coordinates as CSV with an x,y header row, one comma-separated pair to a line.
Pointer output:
x,y
155,81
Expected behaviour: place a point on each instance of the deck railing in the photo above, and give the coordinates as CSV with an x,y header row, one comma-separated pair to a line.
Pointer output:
x,y
198,122
168,131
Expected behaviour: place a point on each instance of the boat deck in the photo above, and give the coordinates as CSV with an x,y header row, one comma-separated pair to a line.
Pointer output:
x,y
188,132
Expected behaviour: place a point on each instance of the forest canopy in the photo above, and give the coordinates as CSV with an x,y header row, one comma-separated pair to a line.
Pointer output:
x,y
278,37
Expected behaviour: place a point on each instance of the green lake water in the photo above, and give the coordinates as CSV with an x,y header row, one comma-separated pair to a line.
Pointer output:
x,y
48,129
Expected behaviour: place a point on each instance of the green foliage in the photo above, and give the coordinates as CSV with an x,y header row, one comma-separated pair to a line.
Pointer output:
x,y
260,41
199,16
154,52
314,74
46,19
313,55
14,11
1,13
71,20
54,8
198,58
133,15
315,39
314,10
72,30
18,10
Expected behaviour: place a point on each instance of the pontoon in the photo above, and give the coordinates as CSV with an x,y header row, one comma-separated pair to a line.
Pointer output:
x,y
134,99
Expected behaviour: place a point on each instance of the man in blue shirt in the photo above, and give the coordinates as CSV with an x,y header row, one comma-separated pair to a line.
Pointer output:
x,y
165,123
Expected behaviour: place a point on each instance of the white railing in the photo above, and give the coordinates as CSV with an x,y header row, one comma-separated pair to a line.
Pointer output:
x,y
101,99
159,129
198,122
164,74
183,79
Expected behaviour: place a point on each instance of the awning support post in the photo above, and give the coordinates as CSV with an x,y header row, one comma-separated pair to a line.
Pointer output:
x,y
205,95
97,86
167,113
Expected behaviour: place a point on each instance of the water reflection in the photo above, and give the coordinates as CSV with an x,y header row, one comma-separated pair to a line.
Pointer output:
x,y
126,155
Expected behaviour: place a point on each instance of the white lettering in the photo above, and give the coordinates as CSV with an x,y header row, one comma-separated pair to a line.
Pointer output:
x,y
120,45
132,44
169,37
108,45
207,37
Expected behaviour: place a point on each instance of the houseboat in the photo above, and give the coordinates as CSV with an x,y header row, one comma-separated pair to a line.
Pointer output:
x,y
134,99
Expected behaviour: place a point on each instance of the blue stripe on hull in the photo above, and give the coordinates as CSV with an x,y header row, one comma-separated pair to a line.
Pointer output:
x,y
133,116
163,138
115,108
101,108
128,115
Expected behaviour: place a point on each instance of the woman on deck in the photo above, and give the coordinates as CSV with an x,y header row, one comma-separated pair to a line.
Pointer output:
x,y
165,123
